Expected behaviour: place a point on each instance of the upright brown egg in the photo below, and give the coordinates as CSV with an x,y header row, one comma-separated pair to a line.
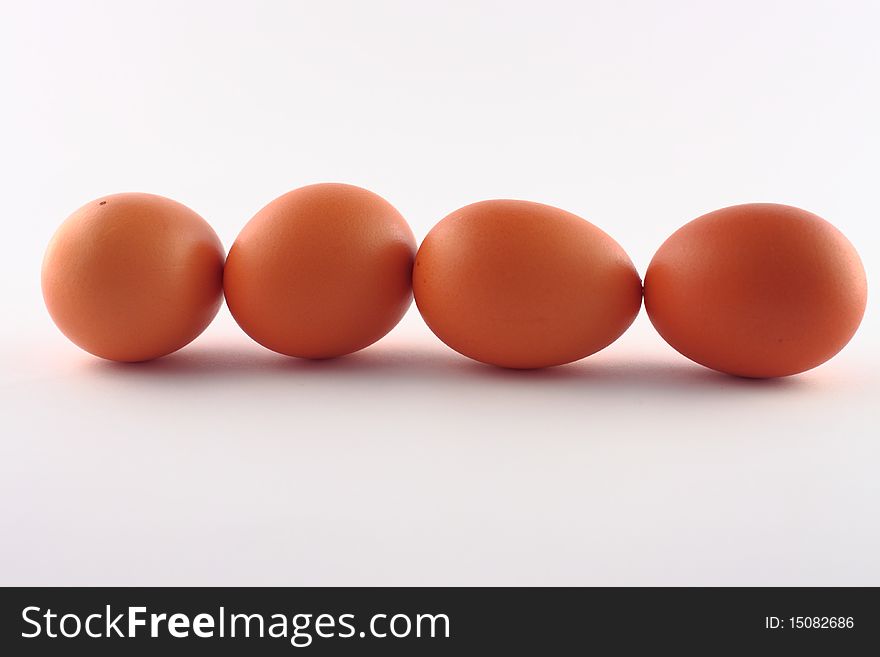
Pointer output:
x,y
132,277
524,285
321,271
758,290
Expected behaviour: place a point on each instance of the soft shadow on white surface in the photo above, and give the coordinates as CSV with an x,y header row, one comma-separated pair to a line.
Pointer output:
x,y
228,464
409,464
422,364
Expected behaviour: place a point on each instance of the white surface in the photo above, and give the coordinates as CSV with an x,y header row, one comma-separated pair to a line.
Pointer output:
x,y
406,463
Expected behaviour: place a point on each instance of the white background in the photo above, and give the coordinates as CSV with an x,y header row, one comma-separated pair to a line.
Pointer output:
x,y
406,463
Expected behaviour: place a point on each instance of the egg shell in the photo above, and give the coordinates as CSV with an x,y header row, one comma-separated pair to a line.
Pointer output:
x,y
322,271
524,285
757,290
132,277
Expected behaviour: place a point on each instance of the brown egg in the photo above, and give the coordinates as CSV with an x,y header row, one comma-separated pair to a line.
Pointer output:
x,y
132,277
321,271
757,290
524,285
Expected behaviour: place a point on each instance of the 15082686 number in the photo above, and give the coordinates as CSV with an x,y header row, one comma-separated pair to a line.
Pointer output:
x,y
821,622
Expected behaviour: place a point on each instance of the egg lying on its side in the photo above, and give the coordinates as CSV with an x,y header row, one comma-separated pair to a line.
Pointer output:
x,y
132,277
524,285
321,271
757,290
